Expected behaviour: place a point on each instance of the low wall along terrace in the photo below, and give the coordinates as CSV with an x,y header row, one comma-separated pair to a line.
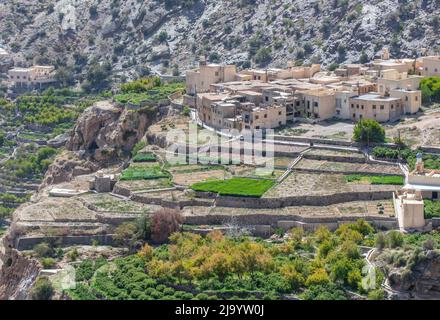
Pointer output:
x,y
287,222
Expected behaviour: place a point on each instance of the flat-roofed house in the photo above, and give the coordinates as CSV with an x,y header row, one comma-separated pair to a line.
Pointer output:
x,y
33,76
268,117
376,107
411,99
220,111
431,66
204,102
342,99
318,104
392,79
199,80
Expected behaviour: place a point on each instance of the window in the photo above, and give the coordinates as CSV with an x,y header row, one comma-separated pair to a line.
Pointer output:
x,y
352,106
265,115
257,127
267,98
392,107
279,123
315,104
354,115
362,107
357,106
257,117
216,73
374,107
406,98
279,113
360,116
417,98
382,107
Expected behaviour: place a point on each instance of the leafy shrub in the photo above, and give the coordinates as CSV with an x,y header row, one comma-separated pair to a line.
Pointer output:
x,y
430,88
48,263
43,250
368,131
432,209
42,289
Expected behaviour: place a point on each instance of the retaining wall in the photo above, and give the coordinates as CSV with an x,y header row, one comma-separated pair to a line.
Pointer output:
x,y
28,243
288,221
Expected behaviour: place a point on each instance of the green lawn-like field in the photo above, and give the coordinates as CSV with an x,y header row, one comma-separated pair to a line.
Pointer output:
x,y
391,180
235,187
145,157
143,173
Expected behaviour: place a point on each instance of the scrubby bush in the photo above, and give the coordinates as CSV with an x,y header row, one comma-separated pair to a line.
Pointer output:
x,y
164,223
42,289
43,250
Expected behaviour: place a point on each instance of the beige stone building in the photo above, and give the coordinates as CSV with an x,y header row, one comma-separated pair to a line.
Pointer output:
x,y
411,99
199,80
318,104
33,76
204,104
267,117
409,209
430,66
392,79
376,107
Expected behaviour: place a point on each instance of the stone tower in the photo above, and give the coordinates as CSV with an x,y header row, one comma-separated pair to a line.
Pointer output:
x,y
385,54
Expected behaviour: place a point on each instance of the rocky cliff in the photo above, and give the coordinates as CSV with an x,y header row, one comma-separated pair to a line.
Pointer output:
x,y
17,273
415,273
159,34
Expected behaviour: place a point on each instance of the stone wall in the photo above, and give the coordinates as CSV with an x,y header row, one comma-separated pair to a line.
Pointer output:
x,y
322,200
288,221
28,243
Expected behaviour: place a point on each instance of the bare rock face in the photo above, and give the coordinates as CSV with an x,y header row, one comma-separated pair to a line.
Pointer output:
x,y
66,167
17,273
419,278
105,132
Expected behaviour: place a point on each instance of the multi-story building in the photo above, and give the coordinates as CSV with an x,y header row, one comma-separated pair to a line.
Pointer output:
x,y
199,80
342,99
263,117
411,99
392,79
33,76
318,104
430,66
376,107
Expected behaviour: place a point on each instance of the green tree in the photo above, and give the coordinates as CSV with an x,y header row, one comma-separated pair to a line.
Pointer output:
x,y
430,88
263,56
367,131
42,289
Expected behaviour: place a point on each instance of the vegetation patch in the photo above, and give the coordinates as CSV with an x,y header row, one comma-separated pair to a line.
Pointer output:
x,y
236,187
147,89
145,157
321,265
391,180
143,173
432,209
431,161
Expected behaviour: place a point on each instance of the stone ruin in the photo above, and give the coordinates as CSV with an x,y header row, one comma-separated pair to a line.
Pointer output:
x,y
103,182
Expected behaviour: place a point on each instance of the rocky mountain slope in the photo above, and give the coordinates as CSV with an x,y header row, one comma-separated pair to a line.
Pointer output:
x,y
135,36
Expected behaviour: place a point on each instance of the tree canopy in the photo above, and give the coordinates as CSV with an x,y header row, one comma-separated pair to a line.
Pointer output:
x,y
367,131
